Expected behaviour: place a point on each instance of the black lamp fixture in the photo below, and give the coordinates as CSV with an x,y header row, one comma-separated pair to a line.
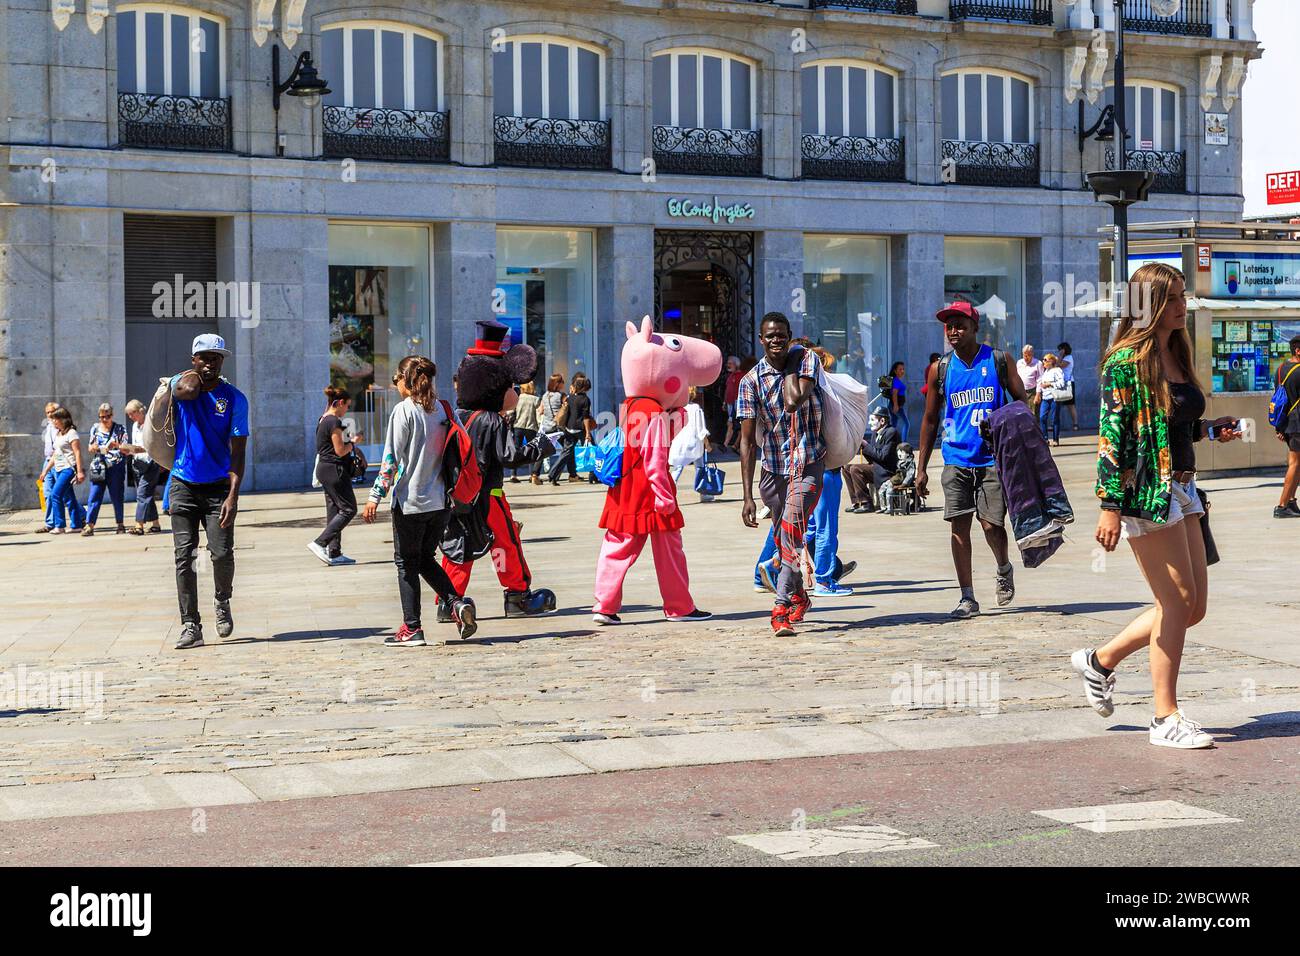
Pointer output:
x,y
1103,131
304,81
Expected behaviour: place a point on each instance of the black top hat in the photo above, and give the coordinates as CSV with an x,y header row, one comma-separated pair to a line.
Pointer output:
x,y
491,334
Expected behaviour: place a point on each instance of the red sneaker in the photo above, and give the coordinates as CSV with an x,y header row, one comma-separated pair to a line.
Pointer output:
x,y
781,621
799,606
405,637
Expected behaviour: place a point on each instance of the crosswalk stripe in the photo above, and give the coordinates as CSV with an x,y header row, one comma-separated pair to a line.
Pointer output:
x,y
560,858
1150,815
832,841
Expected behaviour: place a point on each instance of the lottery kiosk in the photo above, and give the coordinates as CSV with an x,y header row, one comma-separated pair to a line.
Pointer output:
x,y
1243,308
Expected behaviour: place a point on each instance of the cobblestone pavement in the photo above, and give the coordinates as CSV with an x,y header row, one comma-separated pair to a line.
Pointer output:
x,y
305,678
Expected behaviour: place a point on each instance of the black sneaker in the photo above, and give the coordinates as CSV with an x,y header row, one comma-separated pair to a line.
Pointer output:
x,y
1293,506
466,617
601,618
444,614
225,622
1285,513
191,636
846,569
695,615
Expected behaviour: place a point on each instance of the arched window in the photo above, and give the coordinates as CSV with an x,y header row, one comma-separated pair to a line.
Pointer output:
x,y
548,78
170,51
987,106
705,89
1151,113
375,65
849,98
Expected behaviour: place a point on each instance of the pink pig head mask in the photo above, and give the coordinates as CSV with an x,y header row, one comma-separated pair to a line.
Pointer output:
x,y
664,366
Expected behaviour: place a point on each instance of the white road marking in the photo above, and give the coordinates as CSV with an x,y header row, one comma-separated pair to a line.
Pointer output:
x,y
1151,815
562,858
834,841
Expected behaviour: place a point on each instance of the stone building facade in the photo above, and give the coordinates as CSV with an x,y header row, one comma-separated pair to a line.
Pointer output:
x,y
565,166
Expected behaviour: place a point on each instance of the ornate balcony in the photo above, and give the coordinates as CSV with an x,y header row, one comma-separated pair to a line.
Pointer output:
x,y
155,121
993,164
711,152
856,158
1018,11
386,135
1193,18
868,6
552,143
1170,168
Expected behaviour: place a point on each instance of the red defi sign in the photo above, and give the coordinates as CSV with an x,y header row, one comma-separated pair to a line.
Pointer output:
x,y
1283,188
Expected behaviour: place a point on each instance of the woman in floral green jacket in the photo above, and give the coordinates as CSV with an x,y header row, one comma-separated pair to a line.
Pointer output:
x,y
1151,405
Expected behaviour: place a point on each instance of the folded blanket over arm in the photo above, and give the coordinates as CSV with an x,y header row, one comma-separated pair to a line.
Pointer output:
x,y
1037,507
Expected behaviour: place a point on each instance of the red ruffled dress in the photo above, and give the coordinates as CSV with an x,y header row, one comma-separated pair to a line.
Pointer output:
x,y
630,505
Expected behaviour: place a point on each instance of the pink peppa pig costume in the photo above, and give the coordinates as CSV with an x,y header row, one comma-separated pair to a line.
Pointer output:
x,y
658,371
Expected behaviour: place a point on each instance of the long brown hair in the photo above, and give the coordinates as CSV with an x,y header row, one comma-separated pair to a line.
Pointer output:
x,y
1149,294
418,373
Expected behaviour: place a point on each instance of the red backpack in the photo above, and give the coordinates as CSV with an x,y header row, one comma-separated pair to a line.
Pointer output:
x,y
460,470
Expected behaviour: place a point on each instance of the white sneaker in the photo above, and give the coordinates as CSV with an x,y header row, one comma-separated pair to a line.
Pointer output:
x,y
320,552
764,513
602,618
1179,732
1096,688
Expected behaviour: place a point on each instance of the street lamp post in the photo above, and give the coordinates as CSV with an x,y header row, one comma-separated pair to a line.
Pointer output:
x,y
1120,188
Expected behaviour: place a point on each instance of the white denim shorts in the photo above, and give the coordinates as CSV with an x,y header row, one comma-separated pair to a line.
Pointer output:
x,y
1183,501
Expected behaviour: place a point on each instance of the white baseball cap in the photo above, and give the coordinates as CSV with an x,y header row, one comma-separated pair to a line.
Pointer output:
x,y
209,342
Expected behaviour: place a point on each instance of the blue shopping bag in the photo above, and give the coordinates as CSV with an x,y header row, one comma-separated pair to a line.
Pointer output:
x,y
584,457
609,458
709,478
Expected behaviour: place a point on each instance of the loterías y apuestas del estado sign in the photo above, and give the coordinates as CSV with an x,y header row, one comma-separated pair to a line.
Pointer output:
x,y
714,211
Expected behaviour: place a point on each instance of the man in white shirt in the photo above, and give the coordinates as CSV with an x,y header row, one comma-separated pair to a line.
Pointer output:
x,y
1031,370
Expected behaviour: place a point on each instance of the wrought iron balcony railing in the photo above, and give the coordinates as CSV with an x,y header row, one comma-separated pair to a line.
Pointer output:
x,y
715,152
993,164
552,143
868,6
393,135
1170,167
155,121
1019,11
856,158
1193,19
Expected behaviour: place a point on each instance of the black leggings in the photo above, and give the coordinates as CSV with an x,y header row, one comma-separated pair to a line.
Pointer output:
x,y
340,505
415,546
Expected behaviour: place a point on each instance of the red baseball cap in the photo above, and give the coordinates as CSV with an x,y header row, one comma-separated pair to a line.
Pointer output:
x,y
961,309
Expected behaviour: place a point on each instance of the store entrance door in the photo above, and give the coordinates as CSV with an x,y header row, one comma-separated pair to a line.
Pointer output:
x,y
704,288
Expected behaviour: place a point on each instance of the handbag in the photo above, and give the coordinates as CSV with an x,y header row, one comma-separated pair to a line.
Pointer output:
x,y
1211,552
98,471
562,416
467,537
1065,394
709,478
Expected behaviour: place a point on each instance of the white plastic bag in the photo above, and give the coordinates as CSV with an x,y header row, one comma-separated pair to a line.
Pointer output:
x,y
844,417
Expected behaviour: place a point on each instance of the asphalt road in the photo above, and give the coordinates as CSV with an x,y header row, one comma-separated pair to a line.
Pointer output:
x,y
975,804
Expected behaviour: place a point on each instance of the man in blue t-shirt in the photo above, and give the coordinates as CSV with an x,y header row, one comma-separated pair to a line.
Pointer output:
x,y
211,419
976,380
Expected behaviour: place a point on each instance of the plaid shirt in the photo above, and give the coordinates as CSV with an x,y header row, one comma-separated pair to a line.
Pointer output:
x,y
761,398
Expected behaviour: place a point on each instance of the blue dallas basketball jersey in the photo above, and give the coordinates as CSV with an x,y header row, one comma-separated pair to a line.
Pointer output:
x,y
971,394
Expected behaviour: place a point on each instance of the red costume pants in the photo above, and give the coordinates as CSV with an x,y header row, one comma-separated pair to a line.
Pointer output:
x,y
507,552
